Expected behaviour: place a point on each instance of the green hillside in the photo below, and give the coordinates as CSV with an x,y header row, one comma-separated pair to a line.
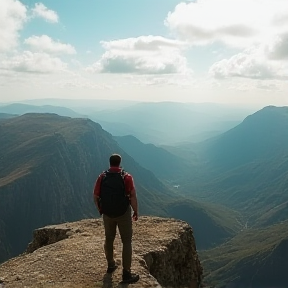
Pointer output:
x,y
246,168
260,136
207,221
254,258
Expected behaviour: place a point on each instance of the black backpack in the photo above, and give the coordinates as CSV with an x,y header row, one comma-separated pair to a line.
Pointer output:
x,y
113,199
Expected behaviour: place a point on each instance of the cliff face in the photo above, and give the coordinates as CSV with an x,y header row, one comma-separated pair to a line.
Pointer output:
x,y
72,255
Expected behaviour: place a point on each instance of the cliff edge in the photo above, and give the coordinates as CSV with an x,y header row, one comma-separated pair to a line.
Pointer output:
x,y
72,255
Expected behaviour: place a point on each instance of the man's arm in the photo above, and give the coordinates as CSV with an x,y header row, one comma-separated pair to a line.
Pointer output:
x,y
97,204
134,204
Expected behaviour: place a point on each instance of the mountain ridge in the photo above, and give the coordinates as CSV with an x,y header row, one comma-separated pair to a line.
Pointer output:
x,y
253,182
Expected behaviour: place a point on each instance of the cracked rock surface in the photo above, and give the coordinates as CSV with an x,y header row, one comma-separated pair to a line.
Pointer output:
x,y
72,255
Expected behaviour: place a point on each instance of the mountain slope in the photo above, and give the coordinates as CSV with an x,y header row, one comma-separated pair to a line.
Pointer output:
x,y
254,258
262,135
163,164
48,167
212,224
246,168
47,172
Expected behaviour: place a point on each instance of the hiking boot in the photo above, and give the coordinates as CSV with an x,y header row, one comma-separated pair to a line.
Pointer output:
x,y
128,277
111,268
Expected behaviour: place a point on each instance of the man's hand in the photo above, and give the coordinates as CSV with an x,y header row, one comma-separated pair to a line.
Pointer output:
x,y
135,216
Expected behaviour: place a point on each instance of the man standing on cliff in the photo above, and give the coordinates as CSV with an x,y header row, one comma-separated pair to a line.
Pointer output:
x,y
114,195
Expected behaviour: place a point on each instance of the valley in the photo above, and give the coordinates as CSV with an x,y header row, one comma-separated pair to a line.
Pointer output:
x,y
230,185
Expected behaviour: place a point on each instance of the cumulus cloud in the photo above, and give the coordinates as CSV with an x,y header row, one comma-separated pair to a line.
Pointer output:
x,y
143,43
142,55
45,44
258,28
41,11
277,48
33,62
249,64
239,23
13,15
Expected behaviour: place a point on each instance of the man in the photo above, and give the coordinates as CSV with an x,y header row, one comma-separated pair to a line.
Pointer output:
x,y
113,184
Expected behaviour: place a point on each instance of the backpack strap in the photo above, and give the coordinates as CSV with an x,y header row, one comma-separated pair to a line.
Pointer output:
x,y
123,173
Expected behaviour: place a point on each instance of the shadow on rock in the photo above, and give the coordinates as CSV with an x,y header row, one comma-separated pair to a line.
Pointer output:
x,y
108,282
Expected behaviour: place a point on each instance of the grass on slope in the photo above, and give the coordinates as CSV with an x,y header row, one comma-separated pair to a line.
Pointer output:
x,y
25,137
249,245
212,224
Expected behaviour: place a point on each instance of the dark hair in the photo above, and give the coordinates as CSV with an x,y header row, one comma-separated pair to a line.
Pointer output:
x,y
115,160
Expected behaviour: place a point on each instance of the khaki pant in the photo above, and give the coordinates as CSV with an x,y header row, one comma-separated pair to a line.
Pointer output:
x,y
124,224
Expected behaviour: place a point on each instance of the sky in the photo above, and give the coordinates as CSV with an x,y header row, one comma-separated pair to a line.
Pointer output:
x,y
221,51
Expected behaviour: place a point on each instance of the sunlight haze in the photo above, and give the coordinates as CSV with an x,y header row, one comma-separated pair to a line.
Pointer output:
x,y
219,51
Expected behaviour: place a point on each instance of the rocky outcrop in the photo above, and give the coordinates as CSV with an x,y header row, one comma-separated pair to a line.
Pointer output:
x,y
72,255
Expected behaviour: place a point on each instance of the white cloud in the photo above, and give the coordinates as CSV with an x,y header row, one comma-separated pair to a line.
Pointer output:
x,y
13,14
249,64
267,86
33,62
143,43
45,44
257,27
112,62
142,55
277,48
238,23
41,11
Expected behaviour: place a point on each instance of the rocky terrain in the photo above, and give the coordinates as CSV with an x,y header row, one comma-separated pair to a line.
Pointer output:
x,y
72,255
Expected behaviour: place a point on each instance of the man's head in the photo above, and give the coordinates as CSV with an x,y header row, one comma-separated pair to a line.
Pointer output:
x,y
115,160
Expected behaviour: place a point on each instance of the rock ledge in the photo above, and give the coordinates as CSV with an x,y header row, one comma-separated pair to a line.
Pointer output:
x,y
72,255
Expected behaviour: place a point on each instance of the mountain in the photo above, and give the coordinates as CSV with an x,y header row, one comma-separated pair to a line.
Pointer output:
x,y
171,122
82,106
20,109
254,258
262,135
48,167
6,116
163,164
158,123
246,168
